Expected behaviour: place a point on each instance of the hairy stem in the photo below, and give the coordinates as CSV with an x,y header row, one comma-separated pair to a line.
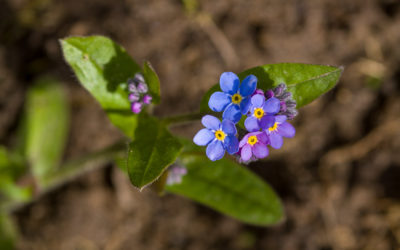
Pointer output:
x,y
71,170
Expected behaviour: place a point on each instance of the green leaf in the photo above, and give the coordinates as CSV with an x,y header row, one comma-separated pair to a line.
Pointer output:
x,y
47,122
306,81
103,68
228,188
153,82
152,150
12,191
8,233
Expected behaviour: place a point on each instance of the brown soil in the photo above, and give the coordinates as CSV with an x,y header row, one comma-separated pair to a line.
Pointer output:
x,y
339,178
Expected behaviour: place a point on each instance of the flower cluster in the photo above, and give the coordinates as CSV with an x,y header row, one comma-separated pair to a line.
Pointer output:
x,y
138,93
266,114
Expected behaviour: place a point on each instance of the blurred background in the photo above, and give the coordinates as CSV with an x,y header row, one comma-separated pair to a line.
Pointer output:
x,y
339,178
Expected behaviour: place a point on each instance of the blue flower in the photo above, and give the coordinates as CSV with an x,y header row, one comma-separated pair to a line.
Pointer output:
x,y
218,137
281,128
234,101
262,113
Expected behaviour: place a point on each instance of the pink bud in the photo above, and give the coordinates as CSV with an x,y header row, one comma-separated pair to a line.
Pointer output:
x,y
147,99
136,107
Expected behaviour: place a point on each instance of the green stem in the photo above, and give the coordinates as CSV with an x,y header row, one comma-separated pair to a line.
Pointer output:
x,y
179,119
72,170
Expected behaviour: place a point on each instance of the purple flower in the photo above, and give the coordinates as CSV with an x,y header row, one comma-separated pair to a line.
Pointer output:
x,y
254,146
138,96
136,107
147,99
262,112
281,128
133,97
234,100
175,174
217,136
288,105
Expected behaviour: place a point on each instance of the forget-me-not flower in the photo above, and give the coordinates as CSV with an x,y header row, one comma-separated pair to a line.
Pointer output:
x,y
262,113
281,128
253,146
234,100
217,136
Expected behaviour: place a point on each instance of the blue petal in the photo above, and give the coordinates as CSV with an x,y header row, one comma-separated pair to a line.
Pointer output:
x,y
232,112
272,106
280,118
229,127
286,130
215,150
211,122
218,101
267,121
231,144
276,140
245,105
257,101
229,82
251,124
248,86
203,137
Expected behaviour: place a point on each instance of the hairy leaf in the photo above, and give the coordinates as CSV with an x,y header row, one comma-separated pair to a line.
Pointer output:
x,y
151,152
103,68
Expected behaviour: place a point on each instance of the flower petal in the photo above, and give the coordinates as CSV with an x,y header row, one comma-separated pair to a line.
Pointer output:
x,y
248,86
272,106
267,121
251,124
203,137
218,101
243,141
229,127
260,150
211,122
286,130
263,138
246,154
280,118
231,144
229,82
232,112
276,140
257,101
245,105
215,150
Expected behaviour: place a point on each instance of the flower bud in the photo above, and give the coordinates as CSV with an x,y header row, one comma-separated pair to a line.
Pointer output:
x,y
136,107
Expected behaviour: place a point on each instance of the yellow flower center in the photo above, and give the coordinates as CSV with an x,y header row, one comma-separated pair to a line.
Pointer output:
x,y
258,113
220,135
252,140
273,128
236,98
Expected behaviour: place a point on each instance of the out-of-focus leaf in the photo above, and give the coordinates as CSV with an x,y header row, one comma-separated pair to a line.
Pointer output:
x,y
103,67
306,81
8,233
152,150
12,191
227,187
47,122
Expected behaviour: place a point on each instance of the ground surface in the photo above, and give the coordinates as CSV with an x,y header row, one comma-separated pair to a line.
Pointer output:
x,y
339,178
